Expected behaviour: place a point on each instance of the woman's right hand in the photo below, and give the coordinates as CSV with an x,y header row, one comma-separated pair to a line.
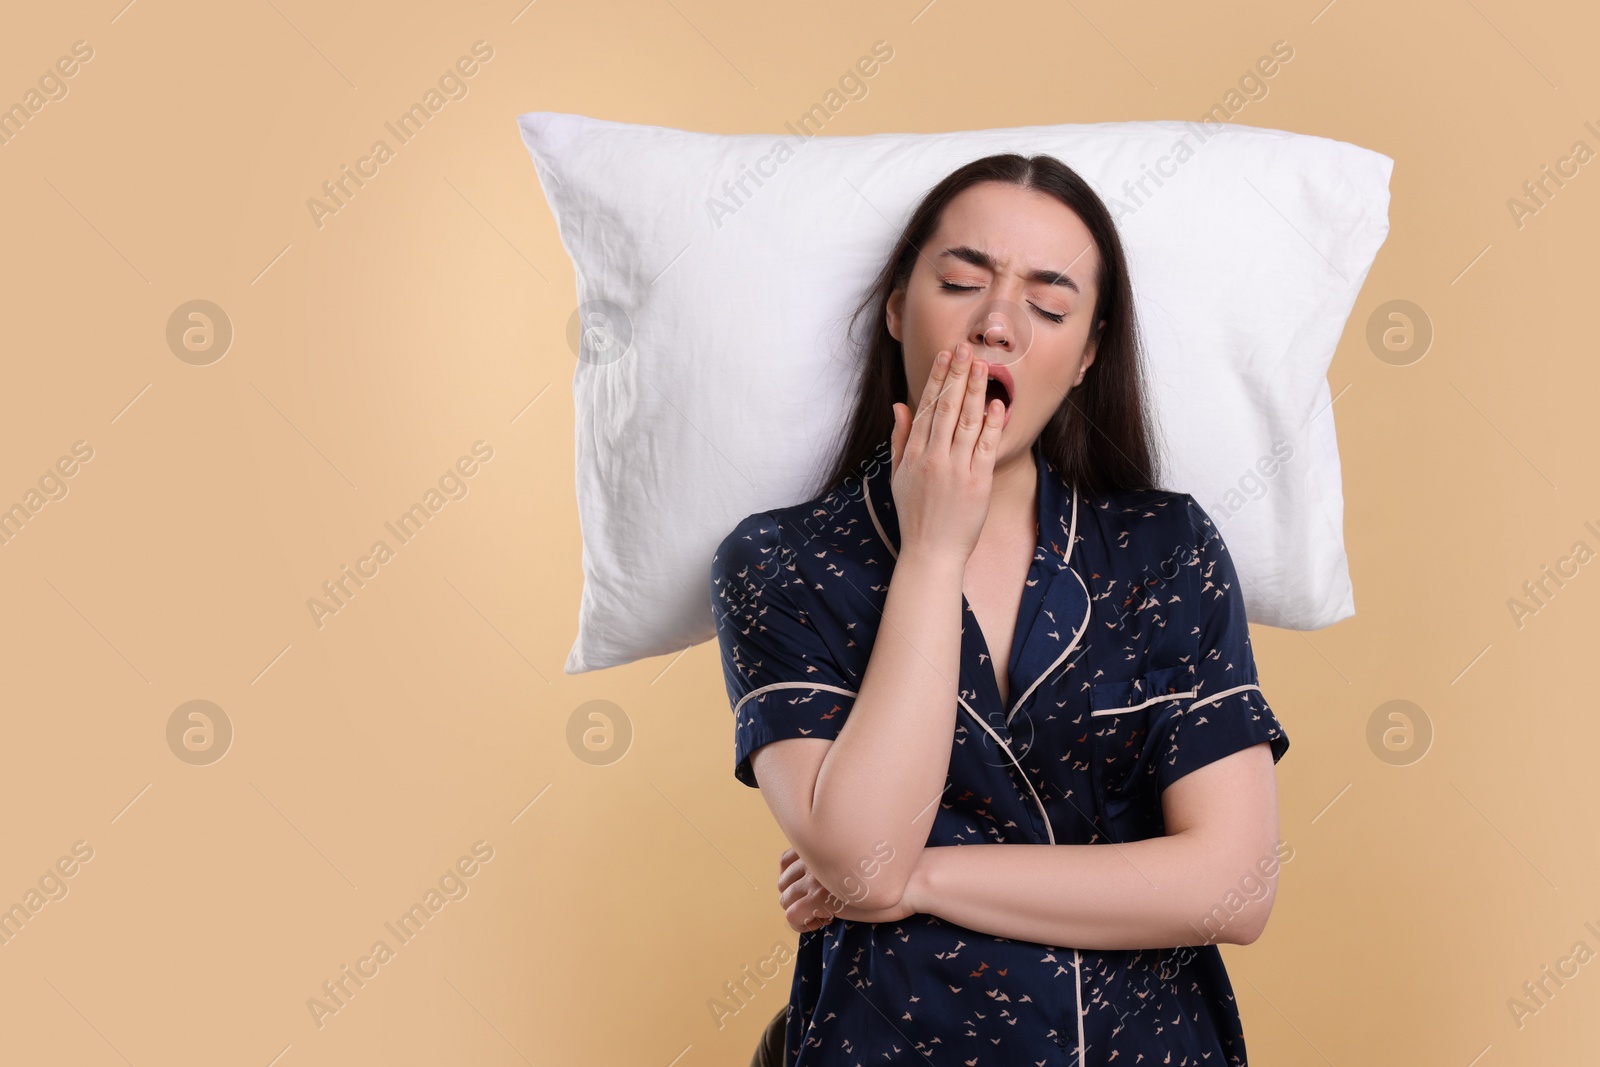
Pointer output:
x,y
943,458
808,905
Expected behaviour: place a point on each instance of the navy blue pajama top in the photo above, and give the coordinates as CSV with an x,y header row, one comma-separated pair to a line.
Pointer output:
x,y
1130,667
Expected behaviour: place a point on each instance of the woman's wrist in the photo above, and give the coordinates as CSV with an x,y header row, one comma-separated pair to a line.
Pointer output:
x,y
918,893
933,563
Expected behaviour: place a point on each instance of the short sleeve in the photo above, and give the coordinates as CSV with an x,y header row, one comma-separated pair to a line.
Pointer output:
x,y
782,681
1228,711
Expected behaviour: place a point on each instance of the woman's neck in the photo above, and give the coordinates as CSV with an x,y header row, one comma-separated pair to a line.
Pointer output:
x,y
1014,499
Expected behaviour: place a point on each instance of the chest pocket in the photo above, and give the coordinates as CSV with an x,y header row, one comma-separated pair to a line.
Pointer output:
x,y
1122,714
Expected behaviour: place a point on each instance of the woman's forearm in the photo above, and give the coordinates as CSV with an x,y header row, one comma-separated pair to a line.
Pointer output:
x,y
878,787
1163,892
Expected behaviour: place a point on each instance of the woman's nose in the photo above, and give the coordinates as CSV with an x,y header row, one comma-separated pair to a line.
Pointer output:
x,y
991,328
994,332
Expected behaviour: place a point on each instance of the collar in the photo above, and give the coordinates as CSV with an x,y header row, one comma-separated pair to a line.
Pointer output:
x,y
1037,649
1057,503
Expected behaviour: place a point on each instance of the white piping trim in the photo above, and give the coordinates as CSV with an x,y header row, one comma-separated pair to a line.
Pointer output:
x,y
1225,693
1147,703
866,494
1077,973
1072,534
976,718
1048,829
791,685
1088,609
1072,539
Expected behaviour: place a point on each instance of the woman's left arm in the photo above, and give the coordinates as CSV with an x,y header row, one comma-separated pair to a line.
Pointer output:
x,y
1212,877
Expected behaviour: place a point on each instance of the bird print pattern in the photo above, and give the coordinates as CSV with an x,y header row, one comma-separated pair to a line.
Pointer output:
x,y
1131,666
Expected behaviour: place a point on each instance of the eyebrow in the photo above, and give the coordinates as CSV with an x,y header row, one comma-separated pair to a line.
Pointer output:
x,y
979,258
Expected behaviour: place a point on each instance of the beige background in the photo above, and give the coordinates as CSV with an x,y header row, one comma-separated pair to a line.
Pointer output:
x,y
431,711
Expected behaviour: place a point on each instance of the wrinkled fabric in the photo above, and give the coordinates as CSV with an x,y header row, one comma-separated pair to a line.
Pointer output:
x,y
1130,666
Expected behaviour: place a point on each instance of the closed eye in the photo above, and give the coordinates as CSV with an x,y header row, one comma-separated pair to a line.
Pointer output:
x,y
953,287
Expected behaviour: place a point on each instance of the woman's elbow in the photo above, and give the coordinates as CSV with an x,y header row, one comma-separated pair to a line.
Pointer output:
x,y
1234,910
873,880
1252,923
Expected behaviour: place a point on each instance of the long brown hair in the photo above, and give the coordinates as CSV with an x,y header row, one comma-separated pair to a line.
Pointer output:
x,y
1101,437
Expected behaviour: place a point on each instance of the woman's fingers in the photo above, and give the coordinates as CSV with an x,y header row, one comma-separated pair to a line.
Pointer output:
x,y
812,917
806,904
952,396
922,421
897,439
805,922
790,869
954,415
792,878
988,445
803,909
943,499
969,418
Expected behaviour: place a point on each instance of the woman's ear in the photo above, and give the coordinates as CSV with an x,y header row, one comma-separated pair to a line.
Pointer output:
x,y
891,312
1089,351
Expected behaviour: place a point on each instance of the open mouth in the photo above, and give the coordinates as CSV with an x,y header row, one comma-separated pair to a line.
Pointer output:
x,y
996,390
1001,387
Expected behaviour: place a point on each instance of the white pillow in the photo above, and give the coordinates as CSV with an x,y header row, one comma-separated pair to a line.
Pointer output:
x,y
715,276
